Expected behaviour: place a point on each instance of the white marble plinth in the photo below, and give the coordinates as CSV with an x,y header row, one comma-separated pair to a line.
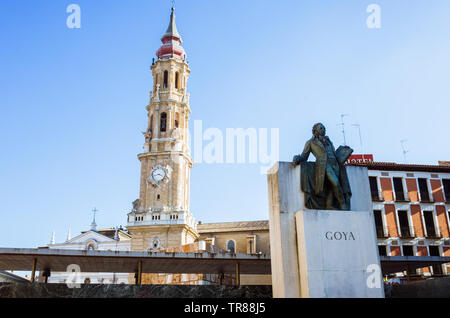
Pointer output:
x,y
285,200
338,255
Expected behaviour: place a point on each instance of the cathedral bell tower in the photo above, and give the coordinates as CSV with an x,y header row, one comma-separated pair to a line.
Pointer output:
x,y
160,217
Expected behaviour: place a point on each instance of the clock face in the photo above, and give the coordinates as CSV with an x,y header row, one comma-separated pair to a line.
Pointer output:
x,y
158,174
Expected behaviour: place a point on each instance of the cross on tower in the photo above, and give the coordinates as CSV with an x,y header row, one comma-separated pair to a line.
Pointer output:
x,y
93,224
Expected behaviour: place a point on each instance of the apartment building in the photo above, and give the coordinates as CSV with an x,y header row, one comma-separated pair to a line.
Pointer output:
x,y
411,206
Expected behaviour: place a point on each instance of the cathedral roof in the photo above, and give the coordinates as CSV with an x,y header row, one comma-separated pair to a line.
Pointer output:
x,y
110,233
171,47
233,226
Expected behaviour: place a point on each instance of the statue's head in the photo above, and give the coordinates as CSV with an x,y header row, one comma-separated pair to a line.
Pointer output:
x,y
319,129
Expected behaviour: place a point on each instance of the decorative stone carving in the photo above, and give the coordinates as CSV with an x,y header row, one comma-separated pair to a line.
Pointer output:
x,y
157,93
148,136
155,243
136,205
176,133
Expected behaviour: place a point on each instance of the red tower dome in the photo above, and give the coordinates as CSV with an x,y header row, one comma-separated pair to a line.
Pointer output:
x,y
171,47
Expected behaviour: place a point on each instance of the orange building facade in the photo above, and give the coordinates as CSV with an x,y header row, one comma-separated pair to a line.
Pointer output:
x,y
411,206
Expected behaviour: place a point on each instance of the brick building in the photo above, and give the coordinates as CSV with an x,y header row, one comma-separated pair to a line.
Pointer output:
x,y
411,205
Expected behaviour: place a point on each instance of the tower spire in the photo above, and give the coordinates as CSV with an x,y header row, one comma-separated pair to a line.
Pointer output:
x,y
171,47
172,28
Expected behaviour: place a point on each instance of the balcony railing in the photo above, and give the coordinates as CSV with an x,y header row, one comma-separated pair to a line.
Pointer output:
x,y
426,197
377,196
447,198
380,232
401,196
405,232
431,233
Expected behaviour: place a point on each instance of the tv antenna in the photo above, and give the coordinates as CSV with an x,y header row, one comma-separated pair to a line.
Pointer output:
x,y
404,150
342,124
360,136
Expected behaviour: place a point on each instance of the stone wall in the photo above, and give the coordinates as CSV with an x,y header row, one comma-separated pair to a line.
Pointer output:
x,y
430,288
28,290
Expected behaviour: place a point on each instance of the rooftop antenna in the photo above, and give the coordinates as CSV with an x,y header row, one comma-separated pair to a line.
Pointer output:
x,y
360,136
343,127
403,141
93,224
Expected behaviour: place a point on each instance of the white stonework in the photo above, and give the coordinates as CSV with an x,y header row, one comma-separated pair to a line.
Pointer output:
x,y
337,254
285,200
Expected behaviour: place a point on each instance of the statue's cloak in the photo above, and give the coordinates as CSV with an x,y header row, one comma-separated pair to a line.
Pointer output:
x,y
318,201
313,174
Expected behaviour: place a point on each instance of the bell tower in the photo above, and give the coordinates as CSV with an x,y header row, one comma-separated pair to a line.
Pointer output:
x,y
160,217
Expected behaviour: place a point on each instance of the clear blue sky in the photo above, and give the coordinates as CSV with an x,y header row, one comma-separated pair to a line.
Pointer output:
x,y
73,101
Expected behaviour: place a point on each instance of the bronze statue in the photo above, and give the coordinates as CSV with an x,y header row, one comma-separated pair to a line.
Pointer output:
x,y
324,182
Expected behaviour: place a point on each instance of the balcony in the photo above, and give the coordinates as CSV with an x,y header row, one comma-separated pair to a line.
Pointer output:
x,y
401,196
447,198
377,196
380,233
405,232
426,197
431,233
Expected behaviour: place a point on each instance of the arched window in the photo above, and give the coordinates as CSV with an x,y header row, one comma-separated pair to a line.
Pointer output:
x,y
177,79
163,122
151,123
231,246
166,79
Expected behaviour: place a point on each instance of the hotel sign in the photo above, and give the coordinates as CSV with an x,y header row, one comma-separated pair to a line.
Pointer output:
x,y
359,159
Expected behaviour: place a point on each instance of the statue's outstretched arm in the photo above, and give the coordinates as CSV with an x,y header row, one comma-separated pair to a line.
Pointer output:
x,y
304,156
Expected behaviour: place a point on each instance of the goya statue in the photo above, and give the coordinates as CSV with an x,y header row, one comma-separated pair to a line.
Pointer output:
x,y
324,182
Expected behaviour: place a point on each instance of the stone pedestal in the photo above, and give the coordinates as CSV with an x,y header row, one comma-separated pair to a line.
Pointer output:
x,y
337,254
285,201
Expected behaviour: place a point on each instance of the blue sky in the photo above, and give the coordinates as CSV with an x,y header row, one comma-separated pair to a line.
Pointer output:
x,y
73,100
